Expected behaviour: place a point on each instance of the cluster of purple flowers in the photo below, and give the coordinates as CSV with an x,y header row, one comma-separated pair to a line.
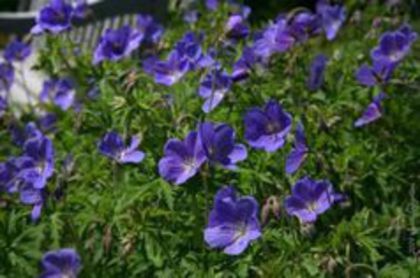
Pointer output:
x,y
57,16
213,143
28,174
392,48
233,222
285,32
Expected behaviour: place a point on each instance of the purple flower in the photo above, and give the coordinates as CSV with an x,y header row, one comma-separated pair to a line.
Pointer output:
x,y
61,263
55,17
299,151
112,145
7,76
29,195
373,112
304,25
233,222
40,164
236,28
16,51
189,48
275,39
171,71
117,44
212,4
60,91
310,198
21,135
81,9
380,73
219,145
182,159
191,17
394,46
243,67
213,88
48,122
267,128
332,17
316,74
151,30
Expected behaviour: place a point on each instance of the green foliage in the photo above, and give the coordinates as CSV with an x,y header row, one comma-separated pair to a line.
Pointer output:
x,y
125,221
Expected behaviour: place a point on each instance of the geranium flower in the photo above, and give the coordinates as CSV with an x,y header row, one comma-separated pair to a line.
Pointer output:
x,y
267,128
316,74
117,44
394,46
151,30
373,112
17,51
233,222
112,146
60,91
310,198
219,145
182,159
55,17
380,73
61,263
332,17
7,77
215,85
299,152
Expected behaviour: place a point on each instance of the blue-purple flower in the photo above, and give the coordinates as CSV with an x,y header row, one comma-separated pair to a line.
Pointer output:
x,y
61,263
7,77
236,27
55,17
182,159
303,25
112,145
299,152
60,91
394,46
47,122
170,71
116,44
310,198
219,145
243,66
233,222
191,17
40,165
276,38
267,128
373,112
332,18
81,9
316,74
17,51
212,4
214,87
151,30
379,73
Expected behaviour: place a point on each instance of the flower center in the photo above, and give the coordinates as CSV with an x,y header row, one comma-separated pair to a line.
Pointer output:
x,y
312,206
